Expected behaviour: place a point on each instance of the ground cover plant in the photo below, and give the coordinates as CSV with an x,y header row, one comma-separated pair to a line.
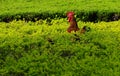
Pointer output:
x,y
45,48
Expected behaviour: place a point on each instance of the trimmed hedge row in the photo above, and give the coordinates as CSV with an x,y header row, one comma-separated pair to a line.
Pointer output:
x,y
92,16
37,49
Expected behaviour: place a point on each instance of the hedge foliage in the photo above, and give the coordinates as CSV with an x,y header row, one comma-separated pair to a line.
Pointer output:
x,y
45,48
91,10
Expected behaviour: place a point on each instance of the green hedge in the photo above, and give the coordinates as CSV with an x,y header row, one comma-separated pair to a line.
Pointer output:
x,y
40,48
85,10
93,16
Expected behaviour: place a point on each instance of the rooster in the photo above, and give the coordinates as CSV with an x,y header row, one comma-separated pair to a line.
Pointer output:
x,y
73,24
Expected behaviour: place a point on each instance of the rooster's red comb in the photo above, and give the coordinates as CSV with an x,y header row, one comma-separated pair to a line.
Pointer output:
x,y
70,13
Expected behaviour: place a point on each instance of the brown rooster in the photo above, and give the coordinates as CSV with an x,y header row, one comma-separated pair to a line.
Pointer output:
x,y
73,24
